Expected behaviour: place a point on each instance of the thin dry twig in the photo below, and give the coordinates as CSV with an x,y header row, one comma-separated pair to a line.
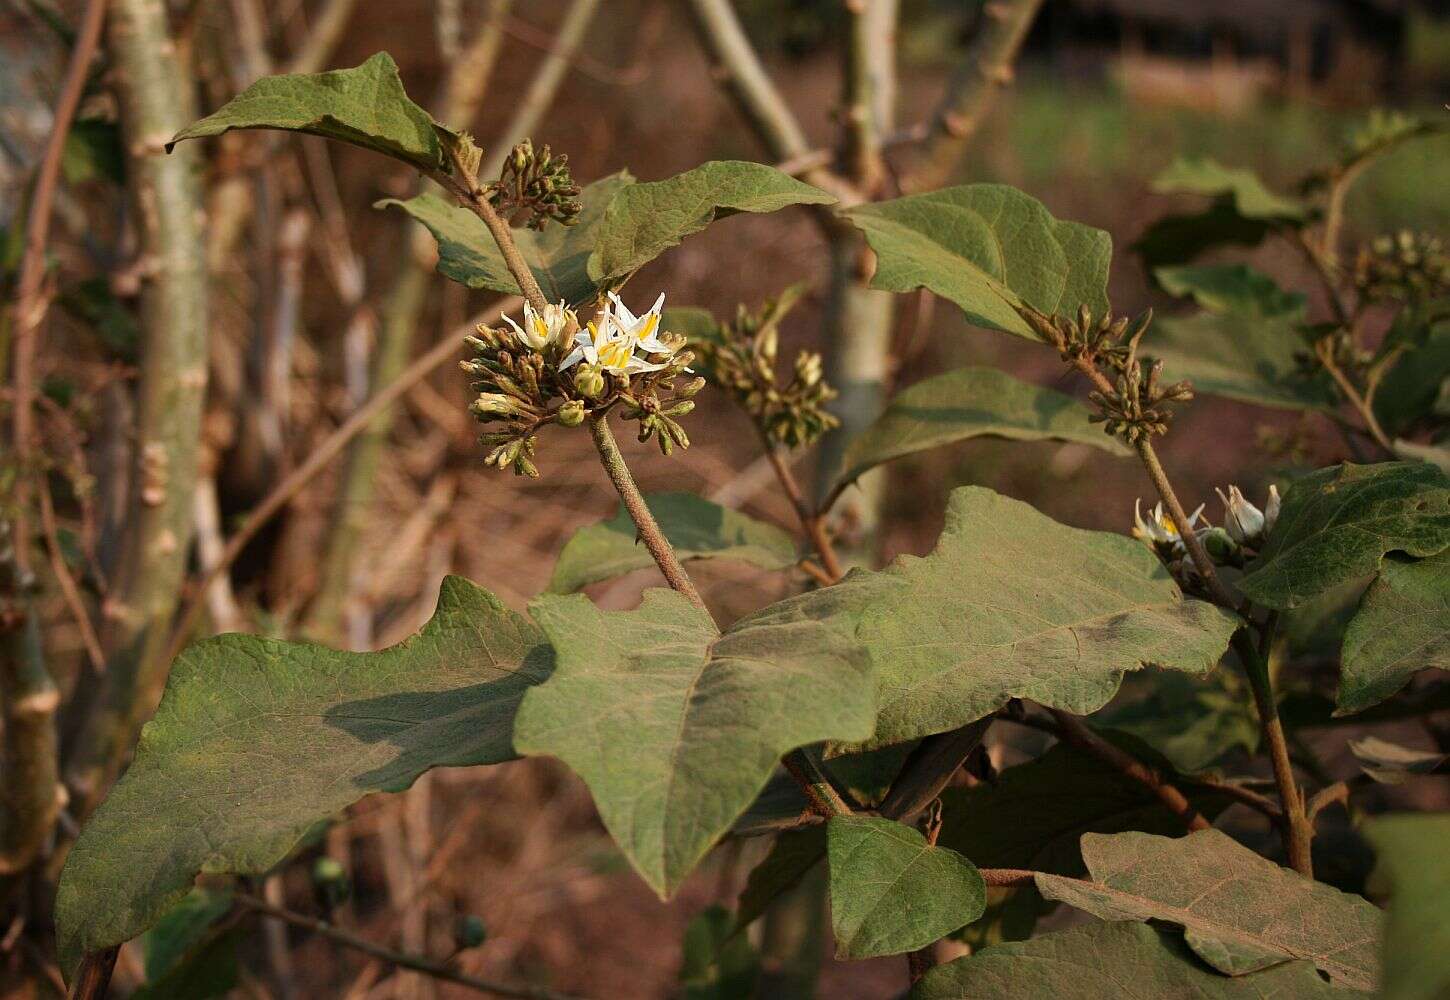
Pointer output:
x,y
417,963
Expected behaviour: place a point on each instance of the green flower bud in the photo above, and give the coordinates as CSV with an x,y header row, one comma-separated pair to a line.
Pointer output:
x,y
589,380
571,414
470,931
1220,546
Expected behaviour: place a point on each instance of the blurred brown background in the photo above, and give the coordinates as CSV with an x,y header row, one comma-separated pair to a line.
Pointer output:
x,y
1108,93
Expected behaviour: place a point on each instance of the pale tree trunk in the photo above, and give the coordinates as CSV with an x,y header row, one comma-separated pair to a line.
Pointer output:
x,y
155,96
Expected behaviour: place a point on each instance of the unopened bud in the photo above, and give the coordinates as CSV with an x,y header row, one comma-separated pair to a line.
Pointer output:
x,y
492,404
1221,547
589,380
571,414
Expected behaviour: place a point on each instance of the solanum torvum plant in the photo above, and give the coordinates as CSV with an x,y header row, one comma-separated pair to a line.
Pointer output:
x,y
846,721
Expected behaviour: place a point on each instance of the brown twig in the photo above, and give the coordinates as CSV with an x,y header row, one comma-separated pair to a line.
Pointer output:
x,y
1073,730
417,963
1324,350
68,588
93,978
30,303
811,522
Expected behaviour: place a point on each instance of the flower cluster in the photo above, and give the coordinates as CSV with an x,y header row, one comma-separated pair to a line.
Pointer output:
x,y
1245,528
1407,266
741,357
539,183
1137,404
550,369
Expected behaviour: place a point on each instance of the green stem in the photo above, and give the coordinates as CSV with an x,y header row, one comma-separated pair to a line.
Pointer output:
x,y
649,529
31,795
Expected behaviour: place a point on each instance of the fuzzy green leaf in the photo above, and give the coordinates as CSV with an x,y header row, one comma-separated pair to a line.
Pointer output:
x,y
892,892
676,728
1178,239
697,528
645,220
1413,861
1034,814
968,403
365,106
1240,913
558,255
257,741
1245,342
1011,604
1338,523
1122,961
988,248
1402,626
1192,721
1238,186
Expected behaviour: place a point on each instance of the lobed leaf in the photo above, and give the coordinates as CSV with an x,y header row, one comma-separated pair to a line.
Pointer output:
x,y
989,248
1178,239
892,892
1402,627
675,727
695,527
257,741
645,220
1123,961
1240,913
968,403
365,106
1239,186
558,256
1413,861
1339,523
1244,344
1011,604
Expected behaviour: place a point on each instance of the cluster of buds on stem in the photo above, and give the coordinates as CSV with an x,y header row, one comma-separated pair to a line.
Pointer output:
x,y
1243,532
538,183
1406,266
1132,400
789,411
551,370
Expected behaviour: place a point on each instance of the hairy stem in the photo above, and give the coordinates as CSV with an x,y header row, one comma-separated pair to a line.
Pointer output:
x,y
403,960
1297,831
985,70
1191,541
649,529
